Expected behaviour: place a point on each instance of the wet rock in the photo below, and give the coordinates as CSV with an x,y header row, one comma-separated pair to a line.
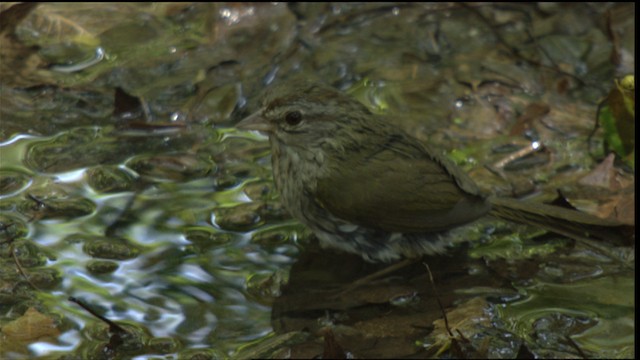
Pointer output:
x,y
550,331
205,236
260,191
218,104
241,217
11,228
111,248
175,167
271,237
26,252
46,278
163,345
100,267
130,342
12,181
56,208
109,179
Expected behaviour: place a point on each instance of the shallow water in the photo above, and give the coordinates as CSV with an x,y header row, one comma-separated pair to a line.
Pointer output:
x,y
124,184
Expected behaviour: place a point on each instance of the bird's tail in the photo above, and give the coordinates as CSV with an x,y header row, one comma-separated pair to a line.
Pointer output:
x,y
571,223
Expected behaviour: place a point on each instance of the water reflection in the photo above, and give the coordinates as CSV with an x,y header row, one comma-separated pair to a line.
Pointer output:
x,y
67,341
174,287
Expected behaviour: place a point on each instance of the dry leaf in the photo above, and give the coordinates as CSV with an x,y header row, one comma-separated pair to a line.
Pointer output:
x,y
30,326
603,175
464,318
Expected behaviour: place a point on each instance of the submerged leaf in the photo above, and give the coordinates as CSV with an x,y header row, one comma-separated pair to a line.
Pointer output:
x,y
31,326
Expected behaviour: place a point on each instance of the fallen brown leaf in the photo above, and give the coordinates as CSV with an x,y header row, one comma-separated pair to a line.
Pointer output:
x,y
30,326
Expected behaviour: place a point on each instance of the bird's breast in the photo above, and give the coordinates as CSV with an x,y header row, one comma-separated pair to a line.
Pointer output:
x,y
296,172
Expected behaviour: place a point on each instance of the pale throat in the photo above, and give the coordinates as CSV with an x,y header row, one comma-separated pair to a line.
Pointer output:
x,y
305,163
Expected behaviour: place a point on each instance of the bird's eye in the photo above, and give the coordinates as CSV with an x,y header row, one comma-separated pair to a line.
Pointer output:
x,y
293,118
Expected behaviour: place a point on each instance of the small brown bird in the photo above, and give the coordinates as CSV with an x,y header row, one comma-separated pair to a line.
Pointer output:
x,y
366,187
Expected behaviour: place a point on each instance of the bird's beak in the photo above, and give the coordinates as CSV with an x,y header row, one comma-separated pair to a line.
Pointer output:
x,y
256,121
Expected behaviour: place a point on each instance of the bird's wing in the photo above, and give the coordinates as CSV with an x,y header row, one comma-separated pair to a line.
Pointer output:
x,y
400,186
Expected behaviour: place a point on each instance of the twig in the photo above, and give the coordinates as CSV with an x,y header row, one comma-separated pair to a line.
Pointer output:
x,y
113,327
529,149
435,291
20,269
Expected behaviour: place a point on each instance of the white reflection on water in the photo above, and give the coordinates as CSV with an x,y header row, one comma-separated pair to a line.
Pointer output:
x,y
67,342
174,287
198,293
17,138
193,272
70,176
